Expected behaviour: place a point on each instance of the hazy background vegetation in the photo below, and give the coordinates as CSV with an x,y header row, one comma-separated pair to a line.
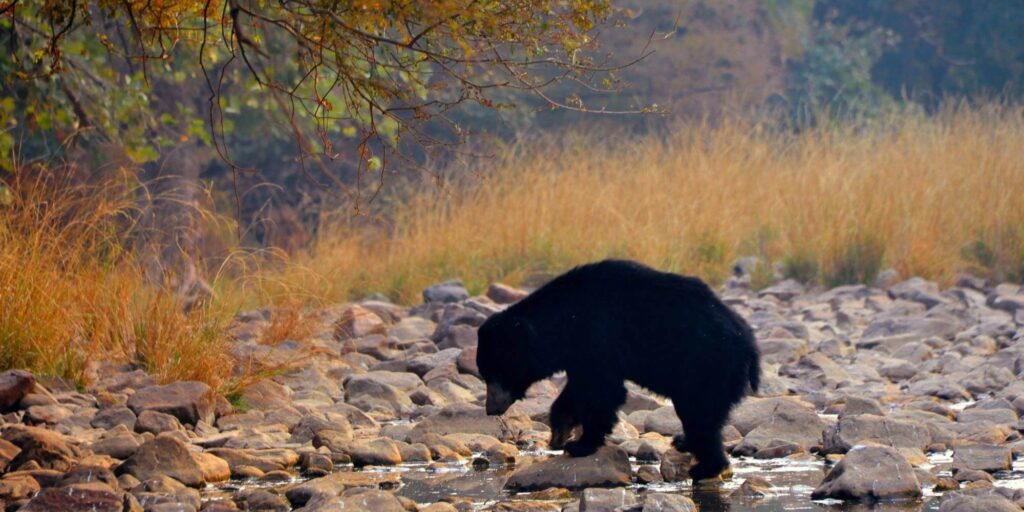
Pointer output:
x,y
831,139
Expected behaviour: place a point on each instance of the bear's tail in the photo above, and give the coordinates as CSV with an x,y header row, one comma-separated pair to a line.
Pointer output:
x,y
754,372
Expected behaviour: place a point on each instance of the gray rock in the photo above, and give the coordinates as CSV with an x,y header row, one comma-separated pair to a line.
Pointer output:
x,y
110,417
661,502
189,401
447,291
609,467
784,422
961,502
157,423
606,500
870,473
982,457
850,431
466,418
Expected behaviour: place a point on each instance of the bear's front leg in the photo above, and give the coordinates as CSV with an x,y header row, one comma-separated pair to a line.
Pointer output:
x,y
596,402
563,419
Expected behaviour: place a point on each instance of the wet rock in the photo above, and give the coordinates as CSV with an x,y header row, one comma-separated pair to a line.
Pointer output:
x,y
853,430
164,455
990,502
261,500
870,473
48,449
982,457
447,291
377,452
753,488
14,384
156,423
315,465
504,294
188,401
527,505
95,497
662,502
609,467
110,417
356,322
606,500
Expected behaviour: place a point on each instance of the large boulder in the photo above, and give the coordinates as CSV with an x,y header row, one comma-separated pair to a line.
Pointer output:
x,y
780,422
14,384
608,467
850,431
189,401
982,457
870,472
980,502
163,456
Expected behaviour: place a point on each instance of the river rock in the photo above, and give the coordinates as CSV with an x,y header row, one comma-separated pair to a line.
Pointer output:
x,y
110,417
983,457
156,423
48,449
853,430
784,422
14,384
504,294
962,502
468,418
447,291
94,497
263,459
163,455
608,467
356,322
377,452
662,502
188,401
870,473
597,499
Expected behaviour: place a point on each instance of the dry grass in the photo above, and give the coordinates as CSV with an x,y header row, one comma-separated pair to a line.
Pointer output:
x,y
928,196
72,293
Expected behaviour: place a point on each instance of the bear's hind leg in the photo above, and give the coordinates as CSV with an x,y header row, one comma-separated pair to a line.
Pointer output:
x,y
597,406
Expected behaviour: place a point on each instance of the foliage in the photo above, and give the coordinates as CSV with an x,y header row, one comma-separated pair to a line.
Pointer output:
x,y
365,75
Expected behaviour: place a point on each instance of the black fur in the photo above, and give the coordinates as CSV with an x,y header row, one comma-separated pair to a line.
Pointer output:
x,y
614,320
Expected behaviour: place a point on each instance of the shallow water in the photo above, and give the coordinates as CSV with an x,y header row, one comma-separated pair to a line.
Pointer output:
x,y
792,482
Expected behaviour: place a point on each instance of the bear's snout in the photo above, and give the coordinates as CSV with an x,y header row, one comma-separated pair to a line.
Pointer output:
x,y
498,400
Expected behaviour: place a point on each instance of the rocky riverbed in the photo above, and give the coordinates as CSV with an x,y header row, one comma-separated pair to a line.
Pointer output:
x,y
898,397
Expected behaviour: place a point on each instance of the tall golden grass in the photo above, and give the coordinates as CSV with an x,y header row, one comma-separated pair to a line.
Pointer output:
x,y
928,196
73,293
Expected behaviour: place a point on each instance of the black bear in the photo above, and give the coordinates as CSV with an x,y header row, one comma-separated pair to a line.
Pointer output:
x,y
606,322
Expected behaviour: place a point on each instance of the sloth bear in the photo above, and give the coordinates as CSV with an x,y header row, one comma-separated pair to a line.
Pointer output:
x,y
609,321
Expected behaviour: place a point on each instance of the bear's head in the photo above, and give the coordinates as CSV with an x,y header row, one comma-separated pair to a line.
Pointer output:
x,y
504,359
